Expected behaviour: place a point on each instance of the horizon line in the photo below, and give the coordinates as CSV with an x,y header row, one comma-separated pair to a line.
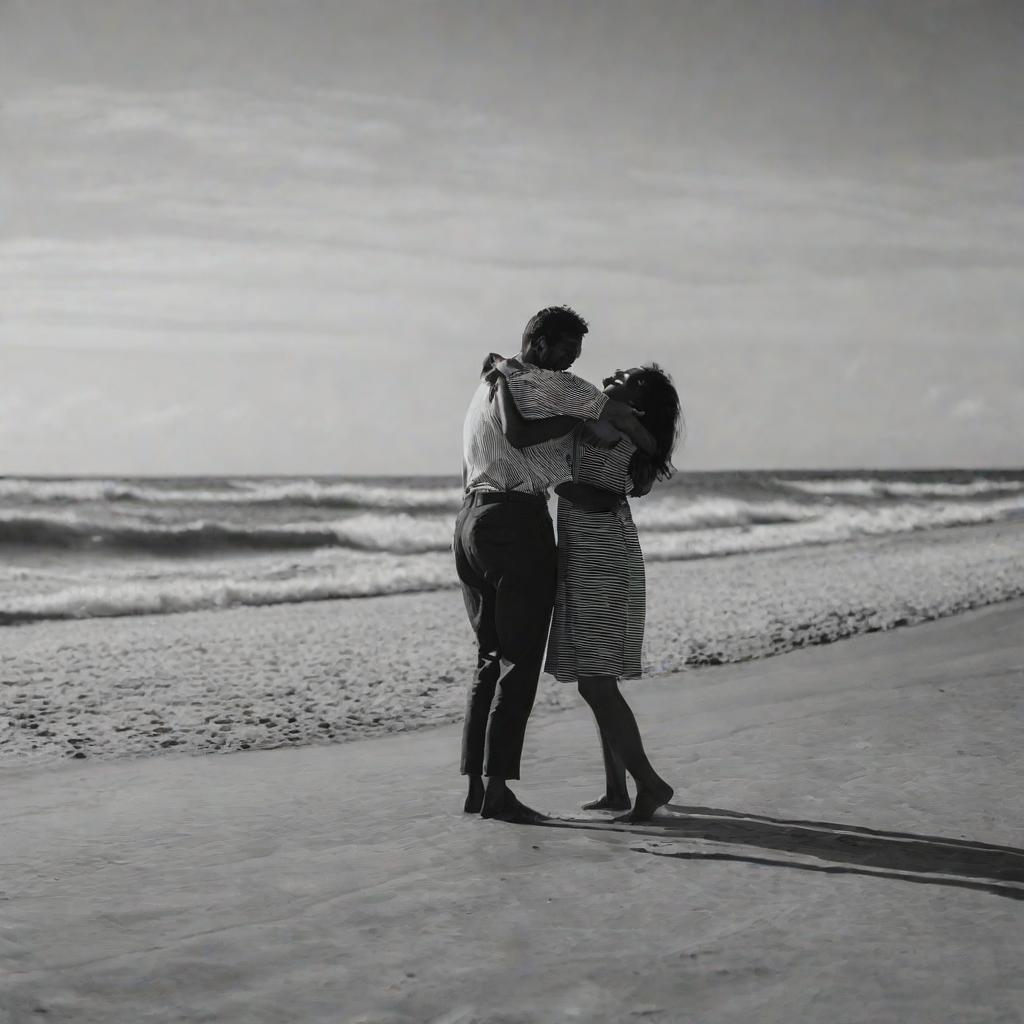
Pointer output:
x,y
378,476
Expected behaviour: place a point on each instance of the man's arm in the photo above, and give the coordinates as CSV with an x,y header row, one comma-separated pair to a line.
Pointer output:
x,y
622,417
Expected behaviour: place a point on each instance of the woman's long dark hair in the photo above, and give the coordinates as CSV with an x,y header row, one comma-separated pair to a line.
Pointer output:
x,y
663,417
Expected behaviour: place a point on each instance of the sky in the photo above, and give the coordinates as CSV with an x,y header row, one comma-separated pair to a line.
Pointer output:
x,y
251,237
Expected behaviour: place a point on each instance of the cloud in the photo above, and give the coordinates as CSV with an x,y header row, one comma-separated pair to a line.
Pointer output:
x,y
161,417
61,409
969,409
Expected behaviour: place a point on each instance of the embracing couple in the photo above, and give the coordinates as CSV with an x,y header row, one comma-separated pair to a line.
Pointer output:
x,y
532,426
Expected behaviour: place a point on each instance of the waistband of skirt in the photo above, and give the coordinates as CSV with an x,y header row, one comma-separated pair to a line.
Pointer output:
x,y
622,505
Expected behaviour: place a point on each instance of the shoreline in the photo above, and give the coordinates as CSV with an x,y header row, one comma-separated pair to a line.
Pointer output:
x,y
299,674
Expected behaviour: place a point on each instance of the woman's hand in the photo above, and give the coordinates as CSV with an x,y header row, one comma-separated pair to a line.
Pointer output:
x,y
507,366
496,365
642,474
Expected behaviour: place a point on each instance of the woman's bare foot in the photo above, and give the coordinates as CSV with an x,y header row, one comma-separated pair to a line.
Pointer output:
x,y
608,802
475,796
647,802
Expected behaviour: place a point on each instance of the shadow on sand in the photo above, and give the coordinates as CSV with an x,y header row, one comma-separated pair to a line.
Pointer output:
x,y
850,849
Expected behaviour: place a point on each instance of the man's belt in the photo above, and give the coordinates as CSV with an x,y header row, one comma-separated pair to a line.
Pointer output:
x,y
496,497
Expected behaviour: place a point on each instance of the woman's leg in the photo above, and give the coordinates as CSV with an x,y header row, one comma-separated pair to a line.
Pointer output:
x,y
618,726
616,795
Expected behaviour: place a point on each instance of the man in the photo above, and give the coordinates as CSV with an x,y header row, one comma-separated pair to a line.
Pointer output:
x,y
505,546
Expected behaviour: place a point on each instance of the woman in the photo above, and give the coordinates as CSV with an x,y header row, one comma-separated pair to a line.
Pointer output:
x,y
598,624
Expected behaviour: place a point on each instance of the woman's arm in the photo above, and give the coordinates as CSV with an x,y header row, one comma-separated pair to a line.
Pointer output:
x,y
594,499
523,433
540,393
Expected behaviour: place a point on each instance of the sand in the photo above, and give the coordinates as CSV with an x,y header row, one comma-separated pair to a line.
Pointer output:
x,y
846,845
290,675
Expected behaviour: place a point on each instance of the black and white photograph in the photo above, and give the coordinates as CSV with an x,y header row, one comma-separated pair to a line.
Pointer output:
x,y
511,511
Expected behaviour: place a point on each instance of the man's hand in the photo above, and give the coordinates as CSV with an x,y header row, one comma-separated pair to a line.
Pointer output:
x,y
600,433
622,417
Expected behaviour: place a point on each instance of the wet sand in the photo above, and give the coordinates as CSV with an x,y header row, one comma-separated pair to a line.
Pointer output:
x,y
845,844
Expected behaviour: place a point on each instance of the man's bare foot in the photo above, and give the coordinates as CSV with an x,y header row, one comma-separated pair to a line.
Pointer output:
x,y
475,796
508,808
647,803
609,803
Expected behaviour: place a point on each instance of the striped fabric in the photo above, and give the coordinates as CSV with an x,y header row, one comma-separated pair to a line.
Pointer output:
x,y
600,603
490,463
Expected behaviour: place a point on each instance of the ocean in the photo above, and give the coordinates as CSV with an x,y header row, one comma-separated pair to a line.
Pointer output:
x,y
87,547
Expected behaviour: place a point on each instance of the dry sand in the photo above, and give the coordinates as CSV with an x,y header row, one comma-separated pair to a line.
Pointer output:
x,y
253,678
845,846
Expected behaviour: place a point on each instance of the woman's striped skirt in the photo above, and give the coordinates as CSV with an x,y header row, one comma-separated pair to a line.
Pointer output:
x,y
598,624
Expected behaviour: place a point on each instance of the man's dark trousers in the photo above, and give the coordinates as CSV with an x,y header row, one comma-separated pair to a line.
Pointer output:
x,y
506,560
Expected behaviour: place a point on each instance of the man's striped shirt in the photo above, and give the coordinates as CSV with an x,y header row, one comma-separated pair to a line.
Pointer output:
x,y
490,463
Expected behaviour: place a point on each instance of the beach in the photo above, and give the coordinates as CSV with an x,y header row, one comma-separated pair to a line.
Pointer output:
x,y
844,845
841,723
326,671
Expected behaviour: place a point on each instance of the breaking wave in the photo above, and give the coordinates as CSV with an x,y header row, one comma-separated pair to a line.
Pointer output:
x,y
127,594
875,487
313,493
401,533
367,555
829,528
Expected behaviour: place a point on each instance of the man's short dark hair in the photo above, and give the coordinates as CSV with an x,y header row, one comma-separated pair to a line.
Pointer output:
x,y
554,322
